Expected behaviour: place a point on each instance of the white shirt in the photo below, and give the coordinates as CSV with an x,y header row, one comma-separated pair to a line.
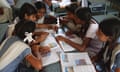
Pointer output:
x,y
91,32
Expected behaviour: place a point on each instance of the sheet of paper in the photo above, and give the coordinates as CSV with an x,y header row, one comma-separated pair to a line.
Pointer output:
x,y
84,68
66,47
50,58
51,42
73,62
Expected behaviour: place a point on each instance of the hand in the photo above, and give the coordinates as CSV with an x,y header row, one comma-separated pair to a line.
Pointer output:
x,y
64,20
44,50
94,58
44,33
60,38
54,27
42,37
68,33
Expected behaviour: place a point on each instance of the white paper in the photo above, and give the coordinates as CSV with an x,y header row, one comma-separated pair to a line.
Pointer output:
x,y
66,47
84,68
50,59
76,62
49,41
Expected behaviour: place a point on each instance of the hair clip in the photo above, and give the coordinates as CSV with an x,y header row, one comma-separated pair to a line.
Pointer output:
x,y
28,37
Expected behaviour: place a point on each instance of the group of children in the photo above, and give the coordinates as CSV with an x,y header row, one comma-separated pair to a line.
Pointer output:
x,y
25,35
99,40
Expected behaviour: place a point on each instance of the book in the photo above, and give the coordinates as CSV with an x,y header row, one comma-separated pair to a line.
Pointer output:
x,y
66,47
51,42
76,62
50,58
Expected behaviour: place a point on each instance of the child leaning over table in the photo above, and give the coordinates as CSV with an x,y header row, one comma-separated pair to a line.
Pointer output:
x,y
44,21
28,12
69,19
90,42
108,59
14,49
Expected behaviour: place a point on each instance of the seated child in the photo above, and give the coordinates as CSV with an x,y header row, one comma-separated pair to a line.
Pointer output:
x,y
44,20
108,59
69,19
14,50
90,42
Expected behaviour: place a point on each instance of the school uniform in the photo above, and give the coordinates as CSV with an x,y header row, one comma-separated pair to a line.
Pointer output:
x,y
12,52
115,59
95,44
75,28
108,59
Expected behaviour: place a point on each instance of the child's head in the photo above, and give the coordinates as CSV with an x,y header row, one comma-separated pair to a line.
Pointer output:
x,y
71,9
109,30
83,15
27,12
41,9
22,27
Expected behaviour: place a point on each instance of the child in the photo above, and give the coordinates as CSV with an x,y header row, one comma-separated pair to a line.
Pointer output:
x,y
108,60
44,20
26,12
69,20
90,42
14,50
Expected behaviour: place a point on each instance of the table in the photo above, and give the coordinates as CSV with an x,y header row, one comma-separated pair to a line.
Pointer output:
x,y
53,68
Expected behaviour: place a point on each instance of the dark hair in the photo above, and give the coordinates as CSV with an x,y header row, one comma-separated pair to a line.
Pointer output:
x,y
26,9
111,27
84,13
40,5
72,7
22,27
73,0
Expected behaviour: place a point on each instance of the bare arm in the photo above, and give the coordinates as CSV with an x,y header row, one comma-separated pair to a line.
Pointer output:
x,y
48,26
36,63
117,70
79,47
43,26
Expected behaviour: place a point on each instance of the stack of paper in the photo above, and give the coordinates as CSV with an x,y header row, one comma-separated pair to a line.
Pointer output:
x,y
76,62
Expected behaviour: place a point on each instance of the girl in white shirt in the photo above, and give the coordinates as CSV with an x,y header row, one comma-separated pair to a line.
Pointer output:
x,y
90,43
